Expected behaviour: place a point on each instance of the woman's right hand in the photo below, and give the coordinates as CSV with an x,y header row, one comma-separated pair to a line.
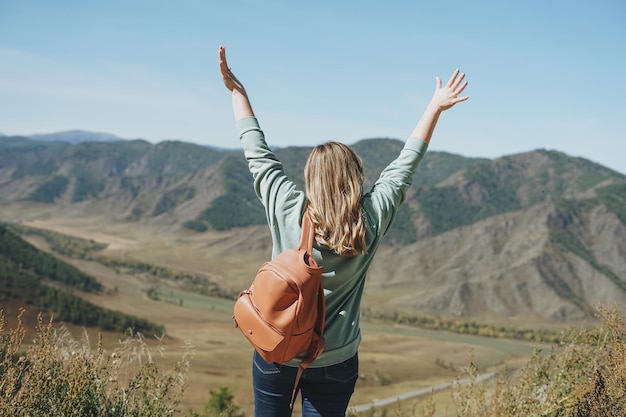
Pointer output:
x,y
444,97
448,95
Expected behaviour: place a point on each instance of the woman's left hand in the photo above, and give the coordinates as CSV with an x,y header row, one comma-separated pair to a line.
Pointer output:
x,y
241,104
230,81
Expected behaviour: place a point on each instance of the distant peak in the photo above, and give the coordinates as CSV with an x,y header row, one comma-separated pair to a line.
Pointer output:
x,y
76,136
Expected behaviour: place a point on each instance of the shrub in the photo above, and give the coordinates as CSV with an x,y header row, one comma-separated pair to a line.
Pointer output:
x,y
584,375
62,376
221,403
196,225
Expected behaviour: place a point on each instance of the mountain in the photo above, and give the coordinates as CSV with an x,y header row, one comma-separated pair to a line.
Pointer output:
x,y
75,136
538,235
552,261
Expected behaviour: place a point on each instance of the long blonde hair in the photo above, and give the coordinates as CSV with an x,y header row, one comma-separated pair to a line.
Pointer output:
x,y
334,186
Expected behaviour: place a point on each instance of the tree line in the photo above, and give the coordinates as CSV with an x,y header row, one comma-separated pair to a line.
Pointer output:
x,y
86,249
22,270
468,327
27,257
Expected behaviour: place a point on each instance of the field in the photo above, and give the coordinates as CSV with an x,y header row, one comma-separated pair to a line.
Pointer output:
x,y
394,359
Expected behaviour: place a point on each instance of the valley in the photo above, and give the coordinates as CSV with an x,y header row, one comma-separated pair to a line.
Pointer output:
x,y
394,359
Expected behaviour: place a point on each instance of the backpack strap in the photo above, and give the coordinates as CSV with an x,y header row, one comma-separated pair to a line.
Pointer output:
x,y
308,234
306,242
318,344
317,347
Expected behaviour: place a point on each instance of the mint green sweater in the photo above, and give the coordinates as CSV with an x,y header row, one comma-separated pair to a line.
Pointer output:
x,y
344,278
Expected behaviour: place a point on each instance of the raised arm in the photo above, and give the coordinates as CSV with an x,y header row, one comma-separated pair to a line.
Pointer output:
x,y
241,103
443,98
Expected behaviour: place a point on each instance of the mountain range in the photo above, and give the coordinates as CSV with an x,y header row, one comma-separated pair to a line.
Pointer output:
x,y
539,235
74,136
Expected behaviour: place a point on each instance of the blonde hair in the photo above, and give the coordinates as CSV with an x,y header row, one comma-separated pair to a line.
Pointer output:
x,y
334,186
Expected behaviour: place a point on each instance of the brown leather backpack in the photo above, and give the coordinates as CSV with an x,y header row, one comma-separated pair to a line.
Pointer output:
x,y
282,313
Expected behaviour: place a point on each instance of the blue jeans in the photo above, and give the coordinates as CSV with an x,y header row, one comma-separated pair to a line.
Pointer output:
x,y
325,391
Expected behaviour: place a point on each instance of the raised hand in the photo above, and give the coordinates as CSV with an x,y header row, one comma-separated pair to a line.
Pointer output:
x,y
443,98
230,81
241,103
448,95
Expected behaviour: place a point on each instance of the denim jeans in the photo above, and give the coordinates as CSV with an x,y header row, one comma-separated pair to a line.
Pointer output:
x,y
325,391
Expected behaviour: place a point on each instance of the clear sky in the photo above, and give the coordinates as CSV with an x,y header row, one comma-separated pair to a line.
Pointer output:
x,y
542,74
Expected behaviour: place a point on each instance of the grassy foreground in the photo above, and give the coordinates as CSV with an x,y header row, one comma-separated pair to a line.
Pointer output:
x,y
61,376
584,375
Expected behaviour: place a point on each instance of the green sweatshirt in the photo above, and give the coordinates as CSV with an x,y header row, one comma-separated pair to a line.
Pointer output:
x,y
344,278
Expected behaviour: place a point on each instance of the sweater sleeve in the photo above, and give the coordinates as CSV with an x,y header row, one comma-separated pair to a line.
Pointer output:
x,y
271,185
389,190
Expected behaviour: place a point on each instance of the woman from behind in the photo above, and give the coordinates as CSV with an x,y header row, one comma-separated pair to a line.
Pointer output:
x,y
349,225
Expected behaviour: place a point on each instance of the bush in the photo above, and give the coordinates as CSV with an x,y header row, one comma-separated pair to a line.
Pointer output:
x,y
221,403
61,376
584,375
196,225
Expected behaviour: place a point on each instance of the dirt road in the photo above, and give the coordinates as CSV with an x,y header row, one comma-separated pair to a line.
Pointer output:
x,y
416,393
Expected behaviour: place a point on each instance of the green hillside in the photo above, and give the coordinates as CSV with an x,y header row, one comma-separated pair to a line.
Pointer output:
x,y
21,253
24,275
238,206
488,188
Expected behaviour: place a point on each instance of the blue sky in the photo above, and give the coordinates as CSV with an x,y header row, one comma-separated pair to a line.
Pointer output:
x,y
542,74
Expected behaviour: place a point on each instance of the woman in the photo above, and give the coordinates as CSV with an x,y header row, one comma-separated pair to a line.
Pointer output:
x,y
348,226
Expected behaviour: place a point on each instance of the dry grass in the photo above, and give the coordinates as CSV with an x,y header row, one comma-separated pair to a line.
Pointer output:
x,y
63,376
584,376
